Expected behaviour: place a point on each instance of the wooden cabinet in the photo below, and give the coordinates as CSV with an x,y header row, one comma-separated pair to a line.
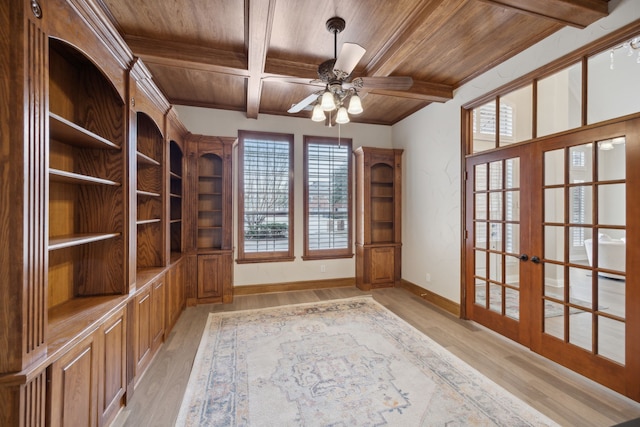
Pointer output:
x,y
211,230
87,384
214,279
148,323
92,210
176,296
74,386
112,368
378,217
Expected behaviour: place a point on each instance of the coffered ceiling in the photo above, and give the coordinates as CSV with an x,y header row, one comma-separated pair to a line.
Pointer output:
x,y
259,56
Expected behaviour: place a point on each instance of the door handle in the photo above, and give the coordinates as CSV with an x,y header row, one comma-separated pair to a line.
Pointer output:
x,y
523,257
535,260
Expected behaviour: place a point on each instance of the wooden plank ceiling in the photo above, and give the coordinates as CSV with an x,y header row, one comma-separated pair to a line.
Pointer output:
x,y
232,55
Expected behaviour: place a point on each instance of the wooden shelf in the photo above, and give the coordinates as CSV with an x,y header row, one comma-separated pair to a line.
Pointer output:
x,y
76,178
175,221
147,193
68,132
175,196
147,221
175,175
209,177
144,159
78,239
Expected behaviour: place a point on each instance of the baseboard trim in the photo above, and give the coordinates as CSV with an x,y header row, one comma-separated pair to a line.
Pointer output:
x,y
435,299
294,286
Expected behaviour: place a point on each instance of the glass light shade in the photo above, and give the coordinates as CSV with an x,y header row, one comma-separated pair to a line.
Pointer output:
x,y
318,114
342,117
606,145
327,102
355,105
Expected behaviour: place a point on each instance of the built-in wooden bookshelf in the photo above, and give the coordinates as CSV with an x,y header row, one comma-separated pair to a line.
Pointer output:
x,y
210,207
382,204
378,220
150,208
209,238
86,185
175,196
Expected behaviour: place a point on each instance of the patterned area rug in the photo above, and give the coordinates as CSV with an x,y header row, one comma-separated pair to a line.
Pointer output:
x,y
347,362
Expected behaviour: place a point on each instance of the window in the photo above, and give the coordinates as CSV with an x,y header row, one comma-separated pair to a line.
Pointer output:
x,y
327,198
484,125
265,202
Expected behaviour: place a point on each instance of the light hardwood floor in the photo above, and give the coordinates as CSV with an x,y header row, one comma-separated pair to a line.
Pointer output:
x,y
562,395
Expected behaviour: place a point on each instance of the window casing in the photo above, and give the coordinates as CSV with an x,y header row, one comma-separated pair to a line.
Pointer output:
x,y
265,202
327,198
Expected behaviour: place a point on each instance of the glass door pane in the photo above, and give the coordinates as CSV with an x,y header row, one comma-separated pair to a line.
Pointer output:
x,y
496,233
584,247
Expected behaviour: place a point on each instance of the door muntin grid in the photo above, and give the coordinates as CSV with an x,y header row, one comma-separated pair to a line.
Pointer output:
x,y
584,227
496,196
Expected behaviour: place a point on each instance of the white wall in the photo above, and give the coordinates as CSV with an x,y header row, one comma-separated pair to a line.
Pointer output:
x,y
431,140
227,123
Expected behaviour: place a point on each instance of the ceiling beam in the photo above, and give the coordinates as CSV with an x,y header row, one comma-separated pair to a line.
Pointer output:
x,y
259,25
407,37
575,13
186,55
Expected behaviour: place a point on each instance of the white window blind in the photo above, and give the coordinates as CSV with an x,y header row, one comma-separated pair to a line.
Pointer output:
x,y
266,180
327,192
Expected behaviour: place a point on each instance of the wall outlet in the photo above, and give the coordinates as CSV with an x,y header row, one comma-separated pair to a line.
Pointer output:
x,y
427,277
323,268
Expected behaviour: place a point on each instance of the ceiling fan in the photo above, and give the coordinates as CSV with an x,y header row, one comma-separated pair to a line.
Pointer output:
x,y
335,74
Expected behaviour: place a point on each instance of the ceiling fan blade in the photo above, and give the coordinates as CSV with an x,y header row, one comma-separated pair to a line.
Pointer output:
x,y
294,80
296,108
350,55
389,83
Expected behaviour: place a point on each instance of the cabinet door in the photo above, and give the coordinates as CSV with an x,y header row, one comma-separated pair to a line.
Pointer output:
x,y
74,386
143,329
382,265
157,313
175,294
113,367
210,276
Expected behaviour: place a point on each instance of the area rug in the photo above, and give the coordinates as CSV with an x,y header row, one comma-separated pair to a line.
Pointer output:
x,y
348,362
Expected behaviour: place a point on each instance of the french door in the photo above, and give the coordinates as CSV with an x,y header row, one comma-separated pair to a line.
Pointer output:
x,y
547,260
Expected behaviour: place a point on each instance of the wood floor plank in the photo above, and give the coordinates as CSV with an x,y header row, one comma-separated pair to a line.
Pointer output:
x,y
562,395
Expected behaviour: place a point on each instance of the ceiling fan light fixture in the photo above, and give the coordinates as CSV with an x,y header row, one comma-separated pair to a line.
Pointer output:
x,y
355,104
342,117
318,114
328,102
606,145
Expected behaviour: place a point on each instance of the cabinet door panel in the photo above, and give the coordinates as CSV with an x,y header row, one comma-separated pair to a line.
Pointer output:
x,y
114,367
209,276
157,313
382,265
74,386
143,313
